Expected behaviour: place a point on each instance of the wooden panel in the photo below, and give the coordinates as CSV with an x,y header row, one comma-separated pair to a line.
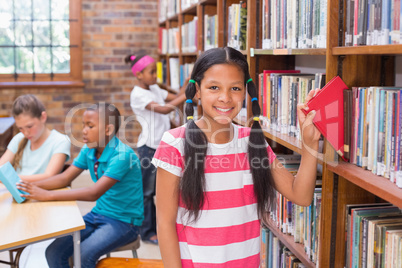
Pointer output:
x,y
368,50
365,179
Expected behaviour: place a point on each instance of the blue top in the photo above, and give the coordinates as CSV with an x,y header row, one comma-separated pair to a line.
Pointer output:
x,y
124,200
35,162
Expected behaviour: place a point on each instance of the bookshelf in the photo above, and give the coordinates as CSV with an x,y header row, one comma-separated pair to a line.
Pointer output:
x,y
342,183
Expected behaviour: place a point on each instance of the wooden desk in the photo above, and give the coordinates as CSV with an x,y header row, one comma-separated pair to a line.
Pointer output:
x,y
34,221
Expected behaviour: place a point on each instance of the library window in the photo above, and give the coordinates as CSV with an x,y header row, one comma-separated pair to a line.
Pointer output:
x,y
39,39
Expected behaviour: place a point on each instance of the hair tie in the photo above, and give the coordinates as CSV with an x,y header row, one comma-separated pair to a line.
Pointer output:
x,y
256,118
132,57
192,81
189,101
189,117
254,99
248,81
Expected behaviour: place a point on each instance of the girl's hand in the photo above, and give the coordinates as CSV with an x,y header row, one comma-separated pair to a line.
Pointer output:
x,y
310,134
34,192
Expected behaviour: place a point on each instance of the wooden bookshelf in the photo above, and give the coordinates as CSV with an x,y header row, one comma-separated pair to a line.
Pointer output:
x,y
288,241
382,187
358,66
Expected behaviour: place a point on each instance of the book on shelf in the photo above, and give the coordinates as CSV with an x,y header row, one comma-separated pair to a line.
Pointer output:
x,y
9,177
328,104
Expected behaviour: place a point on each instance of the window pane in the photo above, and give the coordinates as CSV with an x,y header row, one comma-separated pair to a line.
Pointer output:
x,y
7,7
6,36
60,10
24,60
22,9
42,60
41,33
6,60
61,33
61,60
41,9
23,33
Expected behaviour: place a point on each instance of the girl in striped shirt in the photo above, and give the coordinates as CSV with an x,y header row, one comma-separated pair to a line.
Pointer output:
x,y
215,180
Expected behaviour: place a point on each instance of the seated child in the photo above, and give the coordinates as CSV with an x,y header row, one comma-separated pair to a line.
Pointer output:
x,y
115,169
36,152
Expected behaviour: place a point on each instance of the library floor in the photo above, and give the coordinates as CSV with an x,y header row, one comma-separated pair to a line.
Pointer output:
x,y
34,255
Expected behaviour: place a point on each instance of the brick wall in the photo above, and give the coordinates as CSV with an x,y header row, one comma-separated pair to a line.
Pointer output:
x,y
111,30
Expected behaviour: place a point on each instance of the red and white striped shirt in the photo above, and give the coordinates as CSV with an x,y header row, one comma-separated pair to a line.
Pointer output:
x,y
227,233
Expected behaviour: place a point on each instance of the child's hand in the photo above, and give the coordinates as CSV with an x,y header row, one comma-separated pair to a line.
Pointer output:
x,y
34,192
310,134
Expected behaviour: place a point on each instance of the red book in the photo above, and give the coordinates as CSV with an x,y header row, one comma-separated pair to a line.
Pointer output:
x,y
328,104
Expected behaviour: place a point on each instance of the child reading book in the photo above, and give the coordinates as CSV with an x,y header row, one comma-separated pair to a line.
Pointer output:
x,y
215,180
117,190
36,152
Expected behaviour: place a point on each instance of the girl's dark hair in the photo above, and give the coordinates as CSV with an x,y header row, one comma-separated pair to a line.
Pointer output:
x,y
111,113
128,59
32,106
192,184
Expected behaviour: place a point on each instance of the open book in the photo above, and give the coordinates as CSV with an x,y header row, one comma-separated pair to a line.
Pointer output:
x,y
9,178
328,103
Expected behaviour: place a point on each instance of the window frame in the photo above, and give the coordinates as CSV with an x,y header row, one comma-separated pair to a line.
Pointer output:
x,y
72,79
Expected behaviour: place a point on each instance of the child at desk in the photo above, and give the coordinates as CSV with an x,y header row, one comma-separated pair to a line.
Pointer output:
x,y
115,169
36,152
216,180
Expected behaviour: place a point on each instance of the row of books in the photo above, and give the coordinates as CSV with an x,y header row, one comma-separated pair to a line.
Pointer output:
x,y
373,236
294,24
373,22
211,31
300,222
237,25
274,254
168,8
280,92
373,128
189,36
169,40
178,73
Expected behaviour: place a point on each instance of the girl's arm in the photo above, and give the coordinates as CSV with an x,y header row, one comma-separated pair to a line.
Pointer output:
x,y
8,156
61,180
300,189
54,167
168,107
167,203
91,193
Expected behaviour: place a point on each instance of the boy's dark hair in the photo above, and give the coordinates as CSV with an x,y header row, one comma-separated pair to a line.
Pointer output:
x,y
112,114
192,184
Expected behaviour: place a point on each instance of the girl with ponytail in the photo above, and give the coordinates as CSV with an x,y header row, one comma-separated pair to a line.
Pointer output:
x,y
152,106
215,180
36,152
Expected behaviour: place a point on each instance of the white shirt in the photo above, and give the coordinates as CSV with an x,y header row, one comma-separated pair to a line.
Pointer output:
x,y
35,162
153,124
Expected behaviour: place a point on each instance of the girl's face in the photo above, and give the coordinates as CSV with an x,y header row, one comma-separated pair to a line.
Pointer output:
x,y
92,130
31,127
148,75
222,93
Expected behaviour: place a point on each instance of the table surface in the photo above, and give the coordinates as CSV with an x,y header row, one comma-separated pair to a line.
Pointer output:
x,y
33,221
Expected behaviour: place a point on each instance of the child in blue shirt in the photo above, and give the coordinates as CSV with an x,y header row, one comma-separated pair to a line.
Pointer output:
x,y
115,169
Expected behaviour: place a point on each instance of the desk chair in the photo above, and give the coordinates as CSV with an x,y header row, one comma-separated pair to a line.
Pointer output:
x,y
133,246
128,262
